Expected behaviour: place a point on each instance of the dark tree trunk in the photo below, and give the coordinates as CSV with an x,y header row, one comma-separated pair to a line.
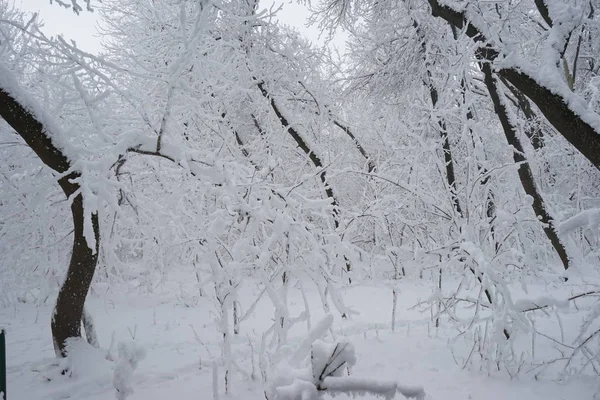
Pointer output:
x,y
525,174
345,128
314,158
490,204
370,163
434,95
448,161
68,313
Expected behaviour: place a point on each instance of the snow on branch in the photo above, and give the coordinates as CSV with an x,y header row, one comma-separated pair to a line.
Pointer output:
x,y
32,123
587,219
526,305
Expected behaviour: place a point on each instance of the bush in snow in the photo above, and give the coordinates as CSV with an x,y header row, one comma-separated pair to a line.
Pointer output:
x,y
328,372
130,354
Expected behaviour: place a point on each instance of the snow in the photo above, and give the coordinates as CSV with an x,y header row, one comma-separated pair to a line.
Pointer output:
x,y
86,362
130,355
363,387
414,356
319,331
541,302
298,390
269,308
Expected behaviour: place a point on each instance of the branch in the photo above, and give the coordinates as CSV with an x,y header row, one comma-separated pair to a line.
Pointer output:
x,y
543,9
29,127
345,128
542,306
305,148
35,134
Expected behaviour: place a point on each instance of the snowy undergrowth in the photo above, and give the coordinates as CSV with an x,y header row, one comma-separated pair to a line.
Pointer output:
x,y
183,343
328,372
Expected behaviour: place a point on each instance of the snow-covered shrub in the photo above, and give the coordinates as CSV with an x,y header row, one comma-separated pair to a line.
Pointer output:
x,y
327,372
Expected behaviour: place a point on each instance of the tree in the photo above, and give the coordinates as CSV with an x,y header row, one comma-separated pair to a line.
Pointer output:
x,y
42,135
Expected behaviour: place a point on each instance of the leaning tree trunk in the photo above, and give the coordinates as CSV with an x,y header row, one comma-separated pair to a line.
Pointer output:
x,y
316,161
314,158
525,173
533,131
448,160
68,312
446,149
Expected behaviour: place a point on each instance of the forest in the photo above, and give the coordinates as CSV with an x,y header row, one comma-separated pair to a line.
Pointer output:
x,y
214,207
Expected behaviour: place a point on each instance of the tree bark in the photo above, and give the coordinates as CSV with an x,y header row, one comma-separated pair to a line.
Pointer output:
x,y
68,312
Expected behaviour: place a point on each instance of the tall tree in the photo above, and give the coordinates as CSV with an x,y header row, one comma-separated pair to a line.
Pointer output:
x,y
24,115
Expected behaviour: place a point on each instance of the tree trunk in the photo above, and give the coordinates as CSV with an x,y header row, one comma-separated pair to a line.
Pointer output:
x,y
314,158
448,161
525,174
68,313
433,93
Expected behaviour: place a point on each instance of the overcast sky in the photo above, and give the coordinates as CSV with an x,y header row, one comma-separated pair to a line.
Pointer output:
x,y
82,27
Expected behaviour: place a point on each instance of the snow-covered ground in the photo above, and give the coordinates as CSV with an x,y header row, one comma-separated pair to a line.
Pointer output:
x,y
181,341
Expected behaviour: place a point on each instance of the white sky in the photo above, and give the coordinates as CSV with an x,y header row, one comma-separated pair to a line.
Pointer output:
x,y
82,27
59,20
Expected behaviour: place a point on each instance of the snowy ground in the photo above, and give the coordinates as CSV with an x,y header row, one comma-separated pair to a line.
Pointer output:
x,y
179,335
